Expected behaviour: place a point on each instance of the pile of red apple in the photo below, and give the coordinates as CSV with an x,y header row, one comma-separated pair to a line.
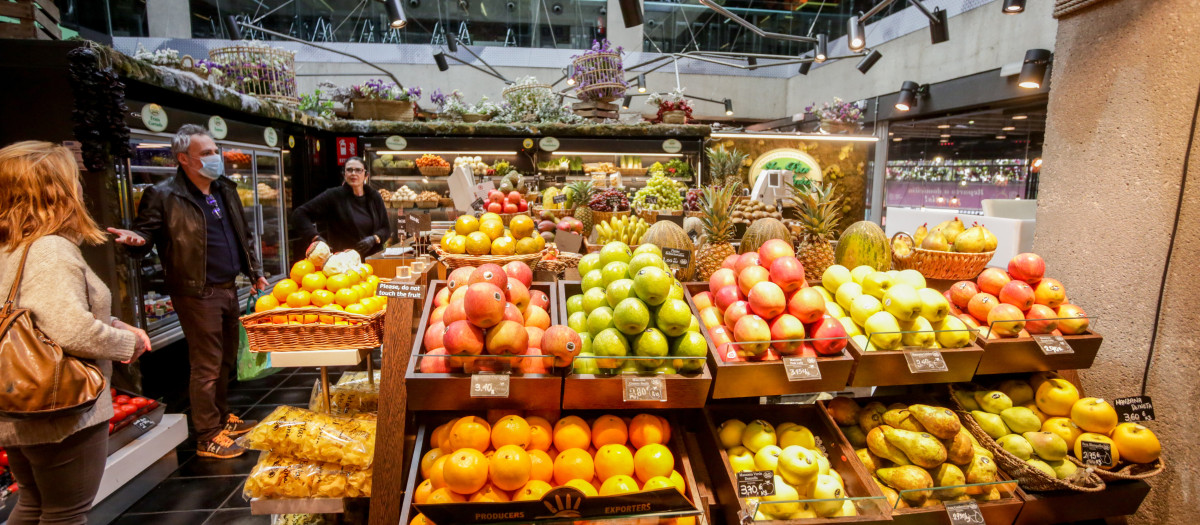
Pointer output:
x,y
491,311
758,305
498,202
126,407
1017,303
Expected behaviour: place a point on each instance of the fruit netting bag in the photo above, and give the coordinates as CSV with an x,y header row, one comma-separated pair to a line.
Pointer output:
x,y
312,436
280,477
353,395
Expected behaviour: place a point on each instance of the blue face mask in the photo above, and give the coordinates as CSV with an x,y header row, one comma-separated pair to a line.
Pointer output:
x,y
213,166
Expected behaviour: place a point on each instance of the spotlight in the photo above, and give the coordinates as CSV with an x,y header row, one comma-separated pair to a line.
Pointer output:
x,y
752,62
805,67
822,48
945,135
897,139
869,61
628,99
557,8
939,31
908,95
943,126
631,11
231,25
451,41
395,13
1020,117
1012,7
1033,71
510,6
1001,137
642,83
728,107
570,71
856,34
1008,128
440,58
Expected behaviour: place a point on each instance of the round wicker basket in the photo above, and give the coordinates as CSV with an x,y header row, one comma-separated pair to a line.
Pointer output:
x,y
454,260
953,266
598,76
1125,470
564,262
674,117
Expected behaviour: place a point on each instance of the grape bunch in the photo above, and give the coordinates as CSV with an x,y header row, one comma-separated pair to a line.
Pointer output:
x,y
610,200
99,112
665,189
692,203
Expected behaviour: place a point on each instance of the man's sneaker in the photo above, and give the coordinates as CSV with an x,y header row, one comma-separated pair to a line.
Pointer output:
x,y
236,426
220,446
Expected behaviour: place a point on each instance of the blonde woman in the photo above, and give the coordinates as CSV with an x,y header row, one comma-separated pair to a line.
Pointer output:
x,y
57,462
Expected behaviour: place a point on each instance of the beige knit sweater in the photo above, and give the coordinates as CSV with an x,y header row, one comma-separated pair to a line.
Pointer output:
x,y
71,305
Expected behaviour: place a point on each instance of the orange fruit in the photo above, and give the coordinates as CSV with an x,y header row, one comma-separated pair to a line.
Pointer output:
x,y
504,246
529,245
494,415
283,289
646,429
336,282
532,491
420,520
457,244
298,299
653,460
370,270
612,460
573,463
352,277
279,319
1094,415
572,432
510,430
609,430
489,493
478,243
540,433
618,485
321,298
522,226
492,228
542,467
445,495
510,467
266,302
470,432
428,459
658,482
310,318
357,308
369,305
586,488
466,224
440,437
313,281
436,471
361,290
372,279
677,479
345,297
466,471
423,491
301,268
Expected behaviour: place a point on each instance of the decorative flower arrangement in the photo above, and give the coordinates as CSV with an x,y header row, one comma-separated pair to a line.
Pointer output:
x,y
268,72
447,103
599,73
379,89
533,104
838,111
313,104
485,107
162,57
670,101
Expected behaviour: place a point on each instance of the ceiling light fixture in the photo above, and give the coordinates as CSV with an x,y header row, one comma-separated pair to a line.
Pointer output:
x,y
1008,128
943,126
641,83
897,139
1001,137
1013,7
794,136
822,51
939,26
605,154
451,41
628,99
631,12
945,135
856,34
869,61
395,14
908,95
728,107
1033,70
805,67
1020,117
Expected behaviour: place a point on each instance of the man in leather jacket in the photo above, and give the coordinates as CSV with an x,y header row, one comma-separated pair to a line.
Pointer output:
x,y
204,240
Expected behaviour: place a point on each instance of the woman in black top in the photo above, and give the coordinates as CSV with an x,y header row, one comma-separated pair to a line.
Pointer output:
x,y
351,216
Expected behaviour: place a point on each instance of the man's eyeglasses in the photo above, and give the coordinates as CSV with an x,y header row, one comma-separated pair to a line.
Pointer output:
x,y
356,170
212,201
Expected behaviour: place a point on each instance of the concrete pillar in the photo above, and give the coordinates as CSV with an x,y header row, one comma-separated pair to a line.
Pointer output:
x,y
1122,117
629,38
169,18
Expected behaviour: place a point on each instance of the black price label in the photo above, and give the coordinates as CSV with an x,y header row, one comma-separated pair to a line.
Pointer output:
x,y
477,205
559,199
652,200
677,257
144,423
489,385
802,368
560,178
416,223
645,389
1095,453
1134,409
683,193
964,513
568,242
1053,344
922,361
401,290
677,219
755,483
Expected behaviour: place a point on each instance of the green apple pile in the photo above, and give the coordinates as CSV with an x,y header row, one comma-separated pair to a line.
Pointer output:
x,y
632,305
875,307
802,471
919,455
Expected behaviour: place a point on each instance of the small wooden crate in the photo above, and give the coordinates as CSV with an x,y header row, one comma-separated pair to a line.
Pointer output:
x,y
1118,499
889,367
1005,356
596,111
35,20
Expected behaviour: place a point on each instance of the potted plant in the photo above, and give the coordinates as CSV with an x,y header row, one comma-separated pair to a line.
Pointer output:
x,y
599,73
449,105
838,116
314,106
483,110
377,99
673,108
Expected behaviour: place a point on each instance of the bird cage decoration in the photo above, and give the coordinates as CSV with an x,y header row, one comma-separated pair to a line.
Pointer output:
x,y
258,69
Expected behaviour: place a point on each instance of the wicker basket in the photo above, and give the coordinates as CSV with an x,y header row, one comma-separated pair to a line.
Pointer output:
x,y
261,71
406,203
651,216
952,266
564,262
375,109
475,117
434,171
601,216
365,331
455,260
599,77
506,217
427,204
674,117
1126,471
187,63
836,127
632,172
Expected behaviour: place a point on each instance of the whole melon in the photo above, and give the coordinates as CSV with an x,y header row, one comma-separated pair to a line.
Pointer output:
x,y
666,234
694,228
763,230
864,243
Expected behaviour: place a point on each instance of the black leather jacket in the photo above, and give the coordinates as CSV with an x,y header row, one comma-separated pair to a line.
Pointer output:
x,y
170,218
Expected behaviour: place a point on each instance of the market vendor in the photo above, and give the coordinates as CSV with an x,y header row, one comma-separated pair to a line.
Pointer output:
x,y
350,216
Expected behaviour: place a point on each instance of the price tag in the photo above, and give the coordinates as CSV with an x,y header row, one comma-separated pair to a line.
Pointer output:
x,y
401,290
144,423
1134,409
1053,344
559,199
416,223
652,200
645,389
489,385
568,242
755,483
921,361
677,257
802,368
677,219
964,513
1096,453
477,205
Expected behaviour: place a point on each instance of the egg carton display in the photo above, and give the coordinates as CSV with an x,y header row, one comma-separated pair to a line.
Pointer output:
x,y
749,210
476,164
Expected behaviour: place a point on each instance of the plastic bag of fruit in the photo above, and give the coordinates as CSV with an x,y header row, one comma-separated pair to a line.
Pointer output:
x,y
277,476
304,434
353,395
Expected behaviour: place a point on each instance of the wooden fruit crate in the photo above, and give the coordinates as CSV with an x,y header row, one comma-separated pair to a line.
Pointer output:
x,y
1006,356
451,391
590,391
889,367
1121,498
35,20
767,378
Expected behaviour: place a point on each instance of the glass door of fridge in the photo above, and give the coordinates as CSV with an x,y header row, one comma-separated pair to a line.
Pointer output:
x,y
269,216
152,162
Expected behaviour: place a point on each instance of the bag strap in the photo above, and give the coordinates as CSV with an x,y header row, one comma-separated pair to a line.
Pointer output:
x,y
12,293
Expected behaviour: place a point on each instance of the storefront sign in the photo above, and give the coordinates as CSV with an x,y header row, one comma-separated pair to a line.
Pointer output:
x,y
271,137
548,144
644,389
291,141
802,368
952,194
218,127
1053,344
672,146
755,483
1134,409
395,142
921,361
154,117
790,159
346,147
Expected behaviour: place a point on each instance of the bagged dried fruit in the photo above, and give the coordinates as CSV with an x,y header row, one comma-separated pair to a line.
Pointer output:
x,y
281,477
304,434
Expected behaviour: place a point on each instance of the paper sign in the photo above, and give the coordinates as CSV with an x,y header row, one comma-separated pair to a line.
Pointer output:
x,y
1053,344
645,389
568,242
482,189
964,513
401,290
677,257
755,483
1095,453
489,385
802,368
144,423
920,361
1134,409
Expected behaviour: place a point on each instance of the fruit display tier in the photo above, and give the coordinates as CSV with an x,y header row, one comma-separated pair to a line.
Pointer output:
x,y
582,390
891,367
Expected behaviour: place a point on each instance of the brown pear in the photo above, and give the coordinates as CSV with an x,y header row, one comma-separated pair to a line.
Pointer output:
x,y
921,448
960,449
981,470
909,480
939,421
878,444
871,416
903,419
843,410
892,496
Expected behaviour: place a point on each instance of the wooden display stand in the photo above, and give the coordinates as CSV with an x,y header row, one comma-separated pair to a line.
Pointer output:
x,y
597,111
890,368
1005,356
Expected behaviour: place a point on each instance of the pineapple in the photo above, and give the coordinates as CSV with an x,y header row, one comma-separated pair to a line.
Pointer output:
x,y
579,196
820,214
716,207
726,165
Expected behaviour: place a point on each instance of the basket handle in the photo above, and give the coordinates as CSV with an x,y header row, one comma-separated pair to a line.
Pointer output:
x,y
187,62
892,246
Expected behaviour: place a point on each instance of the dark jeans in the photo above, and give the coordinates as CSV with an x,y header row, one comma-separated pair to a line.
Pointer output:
x,y
58,481
210,325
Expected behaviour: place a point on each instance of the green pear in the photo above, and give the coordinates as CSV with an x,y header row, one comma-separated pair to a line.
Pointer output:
x,y
798,465
784,493
797,435
1063,469
909,480
935,241
740,459
991,423
993,401
871,416
981,470
1016,445
912,278
918,333
948,475
893,497
863,307
827,488
806,512
902,418
758,434
855,436
767,458
1047,445
846,293
878,443
861,272
966,398
953,333
934,306
942,422
902,301
980,451
877,284
1018,391
1021,420
868,459
833,278
1042,466
921,448
823,465
959,449
883,331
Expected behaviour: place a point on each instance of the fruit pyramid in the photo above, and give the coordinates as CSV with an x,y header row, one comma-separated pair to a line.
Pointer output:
x,y
324,282
488,235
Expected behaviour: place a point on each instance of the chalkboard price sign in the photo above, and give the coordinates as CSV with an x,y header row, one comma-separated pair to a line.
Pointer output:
x,y
1053,344
1095,453
755,483
922,361
802,368
677,257
489,385
645,389
1134,409
964,513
